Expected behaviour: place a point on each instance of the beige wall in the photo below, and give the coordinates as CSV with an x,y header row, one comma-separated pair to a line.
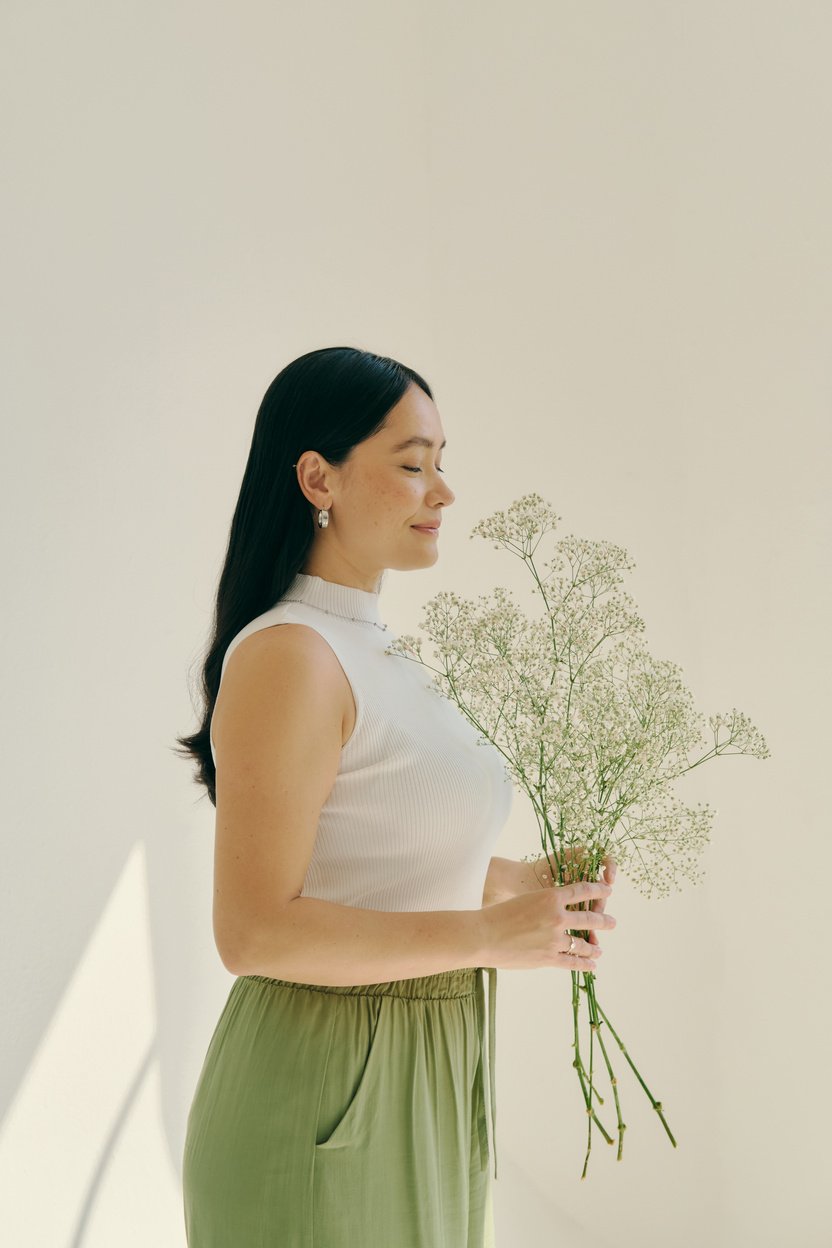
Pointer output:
x,y
602,233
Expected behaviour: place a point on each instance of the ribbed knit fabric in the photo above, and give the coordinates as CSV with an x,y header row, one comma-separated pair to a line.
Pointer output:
x,y
419,799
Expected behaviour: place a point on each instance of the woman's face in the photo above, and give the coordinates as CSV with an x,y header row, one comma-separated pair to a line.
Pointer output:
x,y
377,497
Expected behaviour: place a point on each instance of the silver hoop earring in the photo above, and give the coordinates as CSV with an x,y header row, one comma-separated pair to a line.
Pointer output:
x,y
323,518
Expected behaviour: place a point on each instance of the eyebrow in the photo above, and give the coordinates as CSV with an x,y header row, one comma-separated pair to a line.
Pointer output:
x,y
416,440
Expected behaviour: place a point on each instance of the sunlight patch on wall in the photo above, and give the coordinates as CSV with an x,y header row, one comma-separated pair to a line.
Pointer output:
x,y
75,1143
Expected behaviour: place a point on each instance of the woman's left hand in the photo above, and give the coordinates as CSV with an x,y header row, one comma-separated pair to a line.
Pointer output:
x,y
575,856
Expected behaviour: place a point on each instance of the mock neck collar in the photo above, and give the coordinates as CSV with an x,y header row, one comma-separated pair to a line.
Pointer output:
x,y
337,599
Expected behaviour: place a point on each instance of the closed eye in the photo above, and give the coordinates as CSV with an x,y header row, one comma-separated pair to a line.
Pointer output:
x,y
407,468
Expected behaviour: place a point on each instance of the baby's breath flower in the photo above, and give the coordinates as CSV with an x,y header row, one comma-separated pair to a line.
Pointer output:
x,y
592,727
521,526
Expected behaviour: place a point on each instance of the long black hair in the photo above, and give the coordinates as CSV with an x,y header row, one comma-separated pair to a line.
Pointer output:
x,y
327,401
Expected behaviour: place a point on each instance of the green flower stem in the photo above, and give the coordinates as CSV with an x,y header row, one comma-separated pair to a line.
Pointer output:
x,y
582,1073
589,1116
596,1024
657,1105
597,1017
579,1066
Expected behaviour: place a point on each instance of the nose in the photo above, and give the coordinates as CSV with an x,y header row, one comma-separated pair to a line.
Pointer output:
x,y
447,493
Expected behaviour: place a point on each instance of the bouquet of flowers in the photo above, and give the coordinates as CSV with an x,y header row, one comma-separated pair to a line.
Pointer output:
x,y
594,730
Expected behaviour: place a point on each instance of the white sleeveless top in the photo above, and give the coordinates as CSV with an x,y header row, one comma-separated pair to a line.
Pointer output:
x,y
420,797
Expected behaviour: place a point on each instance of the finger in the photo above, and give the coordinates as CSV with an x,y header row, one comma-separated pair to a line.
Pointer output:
x,y
589,920
598,907
607,877
583,949
580,963
583,890
599,904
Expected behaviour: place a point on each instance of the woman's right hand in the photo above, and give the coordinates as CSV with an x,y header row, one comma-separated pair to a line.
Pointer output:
x,y
530,930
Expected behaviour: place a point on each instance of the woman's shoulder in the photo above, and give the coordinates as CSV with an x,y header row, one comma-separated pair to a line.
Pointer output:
x,y
283,652
284,633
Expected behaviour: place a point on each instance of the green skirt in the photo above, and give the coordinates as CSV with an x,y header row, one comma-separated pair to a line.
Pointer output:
x,y
345,1115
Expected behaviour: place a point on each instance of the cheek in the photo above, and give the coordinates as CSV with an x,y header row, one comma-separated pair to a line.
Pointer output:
x,y
393,491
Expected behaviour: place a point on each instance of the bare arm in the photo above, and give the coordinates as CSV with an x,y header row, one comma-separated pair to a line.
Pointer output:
x,y
505,878
320,942
278,730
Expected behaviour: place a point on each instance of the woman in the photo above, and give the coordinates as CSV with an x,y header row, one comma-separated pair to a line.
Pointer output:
x,y
342,1100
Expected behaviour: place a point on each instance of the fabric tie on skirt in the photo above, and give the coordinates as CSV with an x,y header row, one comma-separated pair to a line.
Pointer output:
x,y
487,1064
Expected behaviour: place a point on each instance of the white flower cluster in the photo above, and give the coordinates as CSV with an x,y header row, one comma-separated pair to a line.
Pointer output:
x,y
593,728
523,524
741,733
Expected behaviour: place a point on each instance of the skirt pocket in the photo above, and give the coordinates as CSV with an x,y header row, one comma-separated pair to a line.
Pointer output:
x,y
354,1071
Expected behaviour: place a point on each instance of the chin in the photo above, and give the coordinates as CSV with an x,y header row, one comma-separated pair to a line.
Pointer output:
x,y
413,565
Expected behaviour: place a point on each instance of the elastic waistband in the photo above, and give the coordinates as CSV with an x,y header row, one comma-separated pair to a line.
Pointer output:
x,y
457,983
464,982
